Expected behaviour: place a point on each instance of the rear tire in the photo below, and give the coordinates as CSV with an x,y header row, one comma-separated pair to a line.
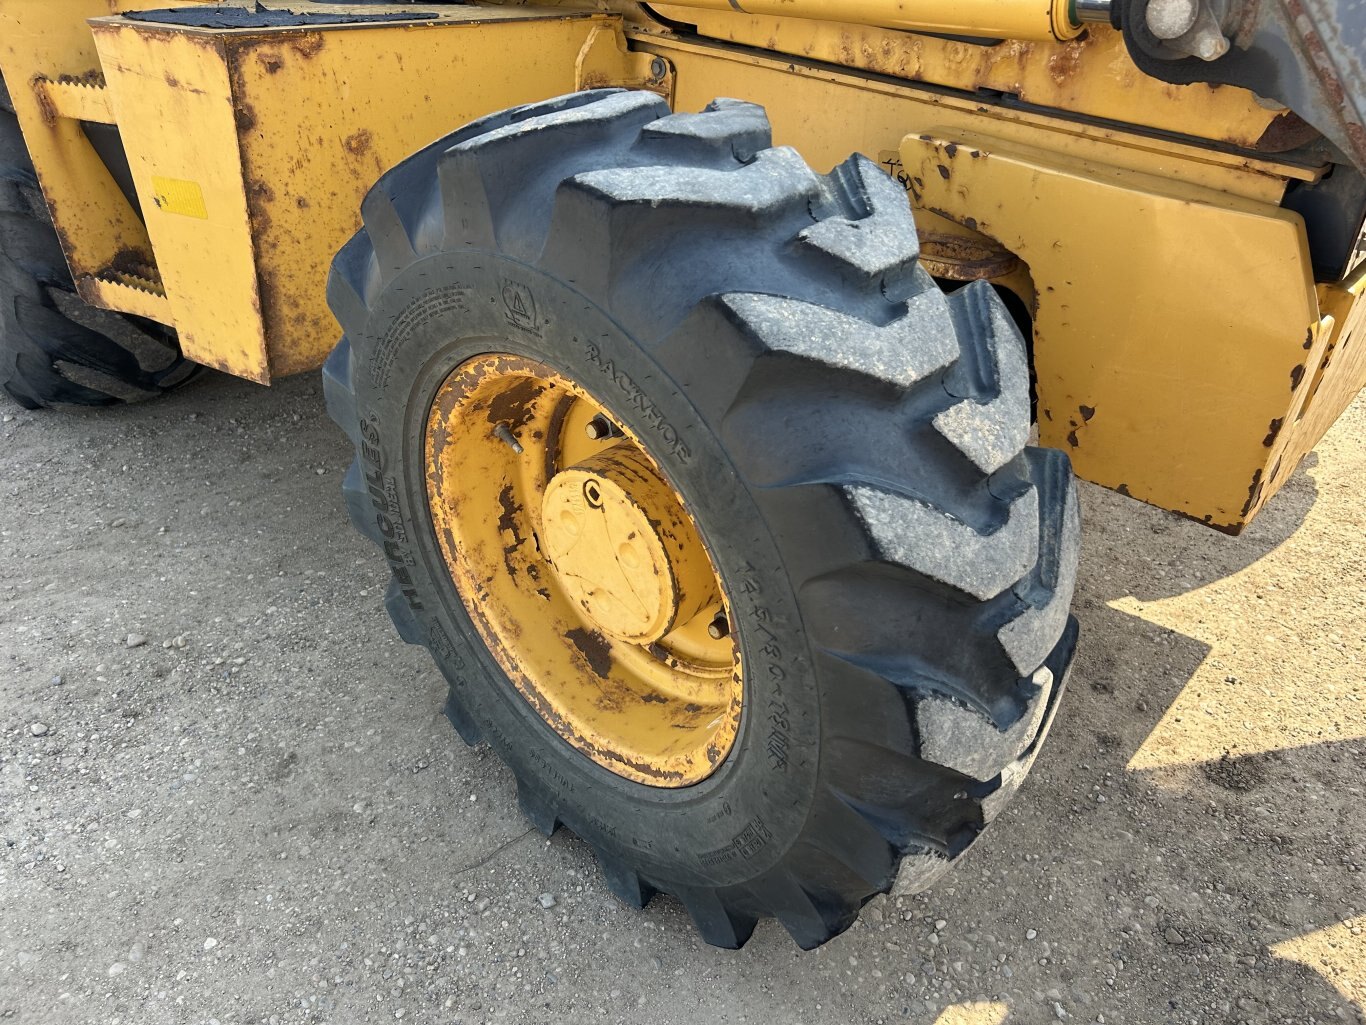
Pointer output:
x,y
850,442
54,349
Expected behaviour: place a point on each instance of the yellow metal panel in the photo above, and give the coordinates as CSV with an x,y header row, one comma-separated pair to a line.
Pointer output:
x,y
77,100
828,114
1172,326
173,98
1335,374
130,295
290,128
53,74
1092,75
1007,19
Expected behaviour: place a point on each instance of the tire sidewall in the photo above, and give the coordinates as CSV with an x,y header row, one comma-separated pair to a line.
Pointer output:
x,y
446,309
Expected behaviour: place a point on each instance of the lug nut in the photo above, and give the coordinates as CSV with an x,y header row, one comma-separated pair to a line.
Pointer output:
x,y
719,627
600,428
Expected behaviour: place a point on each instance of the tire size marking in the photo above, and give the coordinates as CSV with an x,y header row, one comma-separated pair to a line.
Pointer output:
x,y
430,305
389,518
747,843
638,399
778,717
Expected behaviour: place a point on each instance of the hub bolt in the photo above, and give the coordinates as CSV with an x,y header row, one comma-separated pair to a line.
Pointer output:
x,y
600,429
719,627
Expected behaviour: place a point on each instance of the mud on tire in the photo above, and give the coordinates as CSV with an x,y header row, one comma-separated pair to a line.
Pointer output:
x,y
851,441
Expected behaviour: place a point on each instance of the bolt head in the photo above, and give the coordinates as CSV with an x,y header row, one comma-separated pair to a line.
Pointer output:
x,y
718,628
658,69
598,428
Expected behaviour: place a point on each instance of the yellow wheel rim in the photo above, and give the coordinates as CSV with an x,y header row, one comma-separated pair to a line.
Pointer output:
x,y
582,571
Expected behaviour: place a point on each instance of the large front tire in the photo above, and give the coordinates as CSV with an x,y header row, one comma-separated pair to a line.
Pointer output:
x,y
850,443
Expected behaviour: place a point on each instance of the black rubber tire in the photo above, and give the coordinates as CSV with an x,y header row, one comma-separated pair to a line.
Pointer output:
x,y
54,349
851,441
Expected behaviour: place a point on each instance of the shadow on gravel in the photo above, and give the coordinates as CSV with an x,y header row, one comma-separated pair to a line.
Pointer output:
x,y
1230,876
311,813
1173,554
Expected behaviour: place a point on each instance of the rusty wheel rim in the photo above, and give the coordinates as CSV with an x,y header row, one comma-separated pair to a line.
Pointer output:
x,y
582,571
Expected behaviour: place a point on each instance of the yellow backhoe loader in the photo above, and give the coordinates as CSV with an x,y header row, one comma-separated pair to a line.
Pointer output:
x,y
726,476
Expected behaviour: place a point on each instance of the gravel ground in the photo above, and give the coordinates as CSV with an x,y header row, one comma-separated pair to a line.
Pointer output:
x,y
227,793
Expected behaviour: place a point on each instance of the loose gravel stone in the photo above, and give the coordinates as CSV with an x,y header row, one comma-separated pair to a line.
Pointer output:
x,y
39,729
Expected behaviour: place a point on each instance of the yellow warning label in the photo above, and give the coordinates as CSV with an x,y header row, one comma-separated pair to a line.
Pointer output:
x,y
177,196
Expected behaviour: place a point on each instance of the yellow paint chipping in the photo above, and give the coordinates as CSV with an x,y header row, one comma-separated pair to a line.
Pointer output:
x,y
582,571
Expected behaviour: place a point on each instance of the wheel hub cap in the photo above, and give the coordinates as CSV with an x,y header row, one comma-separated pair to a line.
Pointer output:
x,y
619,545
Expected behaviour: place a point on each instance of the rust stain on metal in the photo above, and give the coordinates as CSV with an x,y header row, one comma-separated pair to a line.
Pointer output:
x,y
359,143
1065,64
1254,492
308,44
1288,131
245,116
962,258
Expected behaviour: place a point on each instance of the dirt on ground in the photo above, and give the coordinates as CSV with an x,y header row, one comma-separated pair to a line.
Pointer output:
x,y
228,794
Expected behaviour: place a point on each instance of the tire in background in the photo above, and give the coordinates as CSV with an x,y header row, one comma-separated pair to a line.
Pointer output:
x,y
54,349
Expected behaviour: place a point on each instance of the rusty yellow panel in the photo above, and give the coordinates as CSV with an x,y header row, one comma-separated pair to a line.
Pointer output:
x,y
252,149
874,115
130,295
1008,19
50,65
1173,324
173,98
1092,75
1335,372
